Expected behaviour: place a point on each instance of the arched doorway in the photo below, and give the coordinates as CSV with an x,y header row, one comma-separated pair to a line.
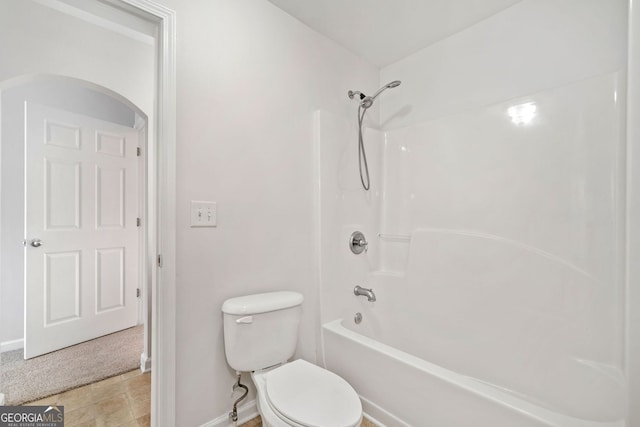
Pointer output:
x,y
100,122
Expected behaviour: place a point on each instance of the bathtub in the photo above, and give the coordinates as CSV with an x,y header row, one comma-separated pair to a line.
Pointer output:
x,y
399,389
481,331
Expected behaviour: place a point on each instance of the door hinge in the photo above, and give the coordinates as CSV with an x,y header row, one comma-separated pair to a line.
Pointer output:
x,y
138,222
137,292
159,260
138,151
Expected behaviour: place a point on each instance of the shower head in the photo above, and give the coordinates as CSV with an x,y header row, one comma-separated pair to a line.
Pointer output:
x,y
367,101
394,83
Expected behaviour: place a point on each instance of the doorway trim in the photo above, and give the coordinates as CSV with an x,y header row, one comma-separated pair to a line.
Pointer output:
x,y
162,152
632,291
162,178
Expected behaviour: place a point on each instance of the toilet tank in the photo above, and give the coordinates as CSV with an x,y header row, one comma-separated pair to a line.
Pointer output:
x,y
261,330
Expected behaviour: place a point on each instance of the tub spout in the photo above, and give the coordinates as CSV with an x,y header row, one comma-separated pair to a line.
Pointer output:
x,y
360,291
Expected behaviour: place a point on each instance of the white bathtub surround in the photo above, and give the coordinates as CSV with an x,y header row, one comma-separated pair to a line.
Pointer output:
x,y
523,221
554,183
497,235
534,45
501,244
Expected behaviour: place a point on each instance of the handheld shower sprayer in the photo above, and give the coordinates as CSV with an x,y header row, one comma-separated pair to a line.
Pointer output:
x,y
365,103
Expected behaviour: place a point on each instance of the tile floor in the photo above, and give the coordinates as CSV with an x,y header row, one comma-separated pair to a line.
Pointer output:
x,y
257,422
123,400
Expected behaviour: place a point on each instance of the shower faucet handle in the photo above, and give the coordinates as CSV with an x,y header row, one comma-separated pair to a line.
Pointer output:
x,y
358,243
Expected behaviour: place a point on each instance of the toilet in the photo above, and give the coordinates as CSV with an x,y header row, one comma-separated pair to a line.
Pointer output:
x,y
260,336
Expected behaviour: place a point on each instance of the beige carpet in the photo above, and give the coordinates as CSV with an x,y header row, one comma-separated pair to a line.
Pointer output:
x,y
27,380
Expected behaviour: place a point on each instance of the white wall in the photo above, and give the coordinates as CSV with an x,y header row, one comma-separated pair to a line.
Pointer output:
x,y
40,40
249,79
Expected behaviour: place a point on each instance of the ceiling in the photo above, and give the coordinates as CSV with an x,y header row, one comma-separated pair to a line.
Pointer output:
x,y
384,31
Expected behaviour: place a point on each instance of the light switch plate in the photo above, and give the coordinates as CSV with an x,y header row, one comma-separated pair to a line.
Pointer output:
x,y
204,214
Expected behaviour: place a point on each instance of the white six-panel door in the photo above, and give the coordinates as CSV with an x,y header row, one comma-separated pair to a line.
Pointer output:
x,y
81,232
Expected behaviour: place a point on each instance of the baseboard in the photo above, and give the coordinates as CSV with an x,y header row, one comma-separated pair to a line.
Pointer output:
x,y
379,416
249,411
246,412
11,345
373,420
145,363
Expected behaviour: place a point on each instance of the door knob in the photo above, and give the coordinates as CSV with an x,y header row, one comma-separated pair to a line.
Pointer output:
x,y
36,243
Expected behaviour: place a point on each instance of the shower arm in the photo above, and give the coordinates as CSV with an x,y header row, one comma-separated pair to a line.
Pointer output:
x,y
353,93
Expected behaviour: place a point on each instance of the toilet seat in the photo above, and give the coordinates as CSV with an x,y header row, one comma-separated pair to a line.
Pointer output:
x,y
303,394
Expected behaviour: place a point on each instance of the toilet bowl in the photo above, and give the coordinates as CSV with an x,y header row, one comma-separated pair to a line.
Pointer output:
x,y
260,336
301,394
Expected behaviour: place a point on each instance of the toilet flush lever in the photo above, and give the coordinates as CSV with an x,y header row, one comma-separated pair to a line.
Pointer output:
x,y
245,319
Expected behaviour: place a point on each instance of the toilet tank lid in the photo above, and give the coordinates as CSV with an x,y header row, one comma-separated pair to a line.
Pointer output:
x,y
262,303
